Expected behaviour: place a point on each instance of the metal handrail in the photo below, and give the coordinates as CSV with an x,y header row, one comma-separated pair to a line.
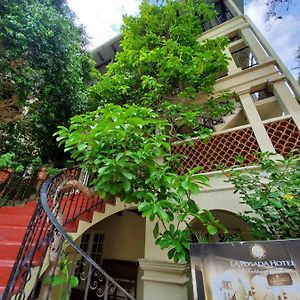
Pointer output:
x,y
44,240
63,233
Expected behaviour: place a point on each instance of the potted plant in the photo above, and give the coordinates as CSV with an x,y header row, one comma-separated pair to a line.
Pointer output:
x,y
8,166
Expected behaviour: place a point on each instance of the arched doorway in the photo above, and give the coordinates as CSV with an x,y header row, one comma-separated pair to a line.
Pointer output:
x,y
116,243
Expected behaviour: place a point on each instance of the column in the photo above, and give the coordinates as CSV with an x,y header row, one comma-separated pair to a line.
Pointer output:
x,y
232,68
287,101
162,279
254,45
255,121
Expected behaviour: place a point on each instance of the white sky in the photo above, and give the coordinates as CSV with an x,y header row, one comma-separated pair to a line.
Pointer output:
x,y
283,35
103,18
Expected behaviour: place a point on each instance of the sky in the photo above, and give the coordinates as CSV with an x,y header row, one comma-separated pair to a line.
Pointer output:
x,y
103,19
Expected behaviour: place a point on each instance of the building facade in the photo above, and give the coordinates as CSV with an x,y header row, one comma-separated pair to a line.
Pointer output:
x,y
266,118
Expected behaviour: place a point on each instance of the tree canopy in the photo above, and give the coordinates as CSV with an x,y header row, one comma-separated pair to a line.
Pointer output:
x,y
148,98
161,57
44,74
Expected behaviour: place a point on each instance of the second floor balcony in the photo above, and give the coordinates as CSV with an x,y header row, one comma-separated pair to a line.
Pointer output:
x,y
223,147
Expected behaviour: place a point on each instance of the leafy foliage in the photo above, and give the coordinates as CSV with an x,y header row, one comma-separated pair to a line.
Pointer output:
x,y
161,58
63,280
43,67
273,193
149,96
7,162
127,149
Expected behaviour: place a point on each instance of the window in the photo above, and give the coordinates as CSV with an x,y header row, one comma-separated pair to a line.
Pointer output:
x,y
261,94
97,247
244,58
85,242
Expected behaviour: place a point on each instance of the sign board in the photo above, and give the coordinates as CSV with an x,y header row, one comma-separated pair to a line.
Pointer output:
x,y
268,270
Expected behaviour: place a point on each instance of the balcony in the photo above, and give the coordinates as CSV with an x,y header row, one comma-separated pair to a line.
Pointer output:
x,y
222,148
223,15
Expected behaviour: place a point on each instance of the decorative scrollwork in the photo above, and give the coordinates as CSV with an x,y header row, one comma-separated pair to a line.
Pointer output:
x,y
94,284
100,292
112,288
98,274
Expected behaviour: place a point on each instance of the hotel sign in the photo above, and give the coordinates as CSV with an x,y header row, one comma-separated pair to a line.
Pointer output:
x,y
246,270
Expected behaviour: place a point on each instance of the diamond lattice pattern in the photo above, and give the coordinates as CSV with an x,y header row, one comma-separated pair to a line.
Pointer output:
x,y
284,135
220,149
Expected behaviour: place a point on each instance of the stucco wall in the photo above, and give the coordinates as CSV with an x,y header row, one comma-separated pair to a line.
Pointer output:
x,y
124,236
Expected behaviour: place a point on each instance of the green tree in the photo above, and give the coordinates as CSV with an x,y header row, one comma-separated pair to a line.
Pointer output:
x,y
150,96
273,194
128,151
162,61
43,68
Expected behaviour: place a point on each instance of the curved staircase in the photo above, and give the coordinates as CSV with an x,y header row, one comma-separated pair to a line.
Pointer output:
x,y
13,225
28,233
14,221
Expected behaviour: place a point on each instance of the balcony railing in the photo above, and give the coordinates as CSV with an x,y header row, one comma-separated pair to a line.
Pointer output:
x,y
284,136
221,18
220,149
223,148
16,188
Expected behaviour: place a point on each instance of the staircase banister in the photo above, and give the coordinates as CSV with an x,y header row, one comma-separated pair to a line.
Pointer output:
x,y
44,202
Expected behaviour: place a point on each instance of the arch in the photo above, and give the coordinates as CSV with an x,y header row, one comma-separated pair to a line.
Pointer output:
x,y
233,223
110,210
116,243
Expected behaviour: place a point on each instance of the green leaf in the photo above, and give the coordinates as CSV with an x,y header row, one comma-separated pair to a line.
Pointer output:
x,y
171,253
126,185
276,203
163,215
212,230
156,230
127,174
73,281
193,206
81,147
143,206
147,212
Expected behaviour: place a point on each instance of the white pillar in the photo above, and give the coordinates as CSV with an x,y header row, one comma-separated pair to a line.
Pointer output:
x,y
232,68
287,101
164,280
255,121
250,40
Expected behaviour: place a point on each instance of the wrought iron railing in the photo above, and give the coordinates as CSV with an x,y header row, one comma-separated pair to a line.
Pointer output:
x,y
211,122
50,264
17,188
